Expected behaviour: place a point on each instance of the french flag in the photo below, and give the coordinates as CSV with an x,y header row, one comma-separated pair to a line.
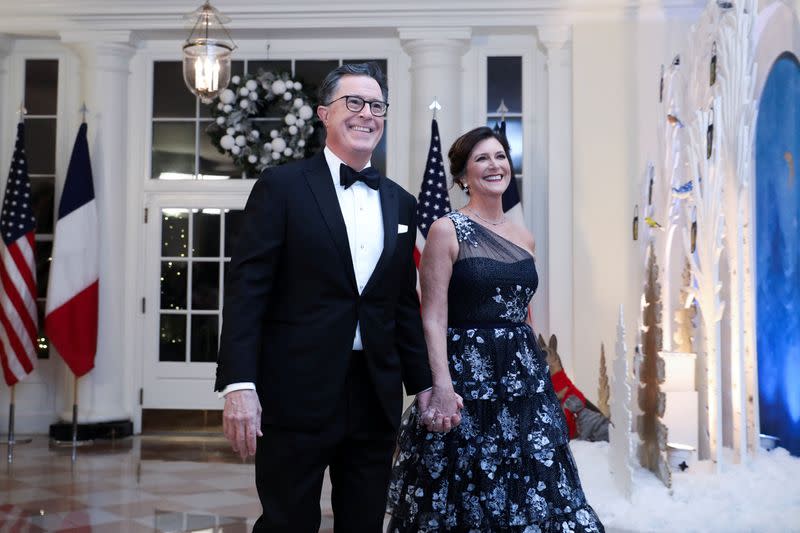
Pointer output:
x,y
72,293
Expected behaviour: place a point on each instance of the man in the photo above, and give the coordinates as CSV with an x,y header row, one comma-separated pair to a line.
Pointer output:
x,y
321,324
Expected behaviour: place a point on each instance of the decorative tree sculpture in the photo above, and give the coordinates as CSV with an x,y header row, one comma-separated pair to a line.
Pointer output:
x,y
652,402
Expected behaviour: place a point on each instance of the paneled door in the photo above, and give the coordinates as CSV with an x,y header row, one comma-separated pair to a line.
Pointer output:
x,y
189,245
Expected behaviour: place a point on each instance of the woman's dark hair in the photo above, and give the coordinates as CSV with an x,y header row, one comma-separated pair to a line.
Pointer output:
x,y
463,146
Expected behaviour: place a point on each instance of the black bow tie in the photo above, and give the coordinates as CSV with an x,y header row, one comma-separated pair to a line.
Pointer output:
x,y
348,176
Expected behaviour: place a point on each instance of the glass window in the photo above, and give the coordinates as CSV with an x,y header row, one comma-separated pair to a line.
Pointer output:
x,y
504,87
41,123
191,282
41,86
42,191
504,83
173,150
276,66
181,148
171,98
311,73
40,145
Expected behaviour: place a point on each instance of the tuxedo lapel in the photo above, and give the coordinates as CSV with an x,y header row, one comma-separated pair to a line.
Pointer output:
x,y
319,179
390,218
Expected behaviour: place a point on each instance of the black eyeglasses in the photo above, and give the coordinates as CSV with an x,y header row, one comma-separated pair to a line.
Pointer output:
x,y
355,104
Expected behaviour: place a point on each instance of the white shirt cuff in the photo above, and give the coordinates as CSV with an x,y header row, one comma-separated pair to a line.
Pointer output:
x,y
426,390
237,386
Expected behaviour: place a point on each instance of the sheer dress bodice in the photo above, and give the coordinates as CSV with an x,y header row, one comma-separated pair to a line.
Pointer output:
x,y
493,279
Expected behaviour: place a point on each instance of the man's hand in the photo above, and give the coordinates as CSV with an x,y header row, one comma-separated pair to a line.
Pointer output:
x,y
440,409
241,421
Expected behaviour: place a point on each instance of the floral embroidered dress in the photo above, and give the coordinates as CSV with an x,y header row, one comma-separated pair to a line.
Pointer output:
x,y
507,467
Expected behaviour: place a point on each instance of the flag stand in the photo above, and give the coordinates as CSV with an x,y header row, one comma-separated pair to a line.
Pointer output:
x,y
11,438
74,443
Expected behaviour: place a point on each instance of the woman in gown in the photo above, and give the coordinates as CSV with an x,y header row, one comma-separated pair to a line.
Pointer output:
x,y
507,466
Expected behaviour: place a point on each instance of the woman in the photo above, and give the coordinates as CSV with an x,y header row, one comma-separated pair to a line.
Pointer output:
x,y
507,466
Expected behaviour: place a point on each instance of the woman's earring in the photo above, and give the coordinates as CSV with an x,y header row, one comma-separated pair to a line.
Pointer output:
x,y
464,187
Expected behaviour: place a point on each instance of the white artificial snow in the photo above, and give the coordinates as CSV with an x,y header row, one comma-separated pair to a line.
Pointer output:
x,y
762,496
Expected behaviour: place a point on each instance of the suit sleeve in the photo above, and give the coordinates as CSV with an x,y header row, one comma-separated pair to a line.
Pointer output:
x,y
249,282
409,336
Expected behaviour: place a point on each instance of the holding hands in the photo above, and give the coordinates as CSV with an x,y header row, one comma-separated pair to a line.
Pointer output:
x,y
440,408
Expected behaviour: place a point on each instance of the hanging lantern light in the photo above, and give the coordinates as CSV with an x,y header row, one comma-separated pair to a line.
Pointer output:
x,y
207,53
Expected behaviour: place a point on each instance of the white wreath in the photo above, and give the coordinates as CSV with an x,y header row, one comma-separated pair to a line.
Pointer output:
x,y
240,131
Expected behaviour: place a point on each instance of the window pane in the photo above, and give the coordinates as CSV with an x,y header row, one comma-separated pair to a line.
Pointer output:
x,y
43,190
171,97
41,86
277,66
233,223
316,142
379,155
237,68
514,136
43,343
172,338
173,284
311,73
44,250
205,286
40,145
174,232
214,164
504,82
204,338
206,233
173,150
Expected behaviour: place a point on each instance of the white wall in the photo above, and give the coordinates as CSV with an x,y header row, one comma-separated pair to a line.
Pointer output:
x,y
615,81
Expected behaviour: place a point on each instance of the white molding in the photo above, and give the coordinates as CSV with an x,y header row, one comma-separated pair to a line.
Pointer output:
x,y
44,17
96,36
436,33
555,36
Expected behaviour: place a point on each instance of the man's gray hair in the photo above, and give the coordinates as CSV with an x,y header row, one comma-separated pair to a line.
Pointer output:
x,y
331,81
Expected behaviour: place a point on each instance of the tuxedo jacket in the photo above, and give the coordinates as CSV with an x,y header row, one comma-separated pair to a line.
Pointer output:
x,y
292,305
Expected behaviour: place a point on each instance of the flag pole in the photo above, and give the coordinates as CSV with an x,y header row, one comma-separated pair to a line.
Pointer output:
x,y
434,107
74,416
11,426
502,109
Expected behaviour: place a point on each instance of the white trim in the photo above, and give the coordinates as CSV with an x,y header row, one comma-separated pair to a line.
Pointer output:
x,y
43,17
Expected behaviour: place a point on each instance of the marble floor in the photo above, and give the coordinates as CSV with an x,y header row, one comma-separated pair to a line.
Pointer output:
x,y
153,484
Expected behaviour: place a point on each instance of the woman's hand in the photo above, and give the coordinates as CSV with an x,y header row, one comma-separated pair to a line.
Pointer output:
x,y
440,408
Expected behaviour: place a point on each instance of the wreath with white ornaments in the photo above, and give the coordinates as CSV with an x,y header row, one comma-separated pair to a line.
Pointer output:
x,y
240,130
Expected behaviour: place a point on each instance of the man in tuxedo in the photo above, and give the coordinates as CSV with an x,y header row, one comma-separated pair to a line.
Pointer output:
x,y
321,324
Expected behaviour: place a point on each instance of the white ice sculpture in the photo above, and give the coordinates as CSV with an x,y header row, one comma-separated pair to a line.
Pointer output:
x,y
622,441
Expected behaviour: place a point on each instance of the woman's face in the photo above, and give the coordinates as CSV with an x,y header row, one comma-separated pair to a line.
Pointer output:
x,y
488,171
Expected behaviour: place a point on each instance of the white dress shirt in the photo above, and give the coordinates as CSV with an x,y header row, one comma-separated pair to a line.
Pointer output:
x,y
363,219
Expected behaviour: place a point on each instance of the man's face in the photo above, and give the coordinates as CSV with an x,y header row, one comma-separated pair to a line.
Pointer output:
x,y
352,135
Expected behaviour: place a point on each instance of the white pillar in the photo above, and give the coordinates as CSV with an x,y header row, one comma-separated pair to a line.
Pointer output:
x,y
435,73
105,58
557,40
6,45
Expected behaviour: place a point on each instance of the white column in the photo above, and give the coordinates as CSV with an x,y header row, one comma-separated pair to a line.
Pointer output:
x,y
105,58
435,73
6,45
557,42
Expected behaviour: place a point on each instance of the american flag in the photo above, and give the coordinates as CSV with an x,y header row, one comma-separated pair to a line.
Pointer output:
x,y
433,201
18,317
